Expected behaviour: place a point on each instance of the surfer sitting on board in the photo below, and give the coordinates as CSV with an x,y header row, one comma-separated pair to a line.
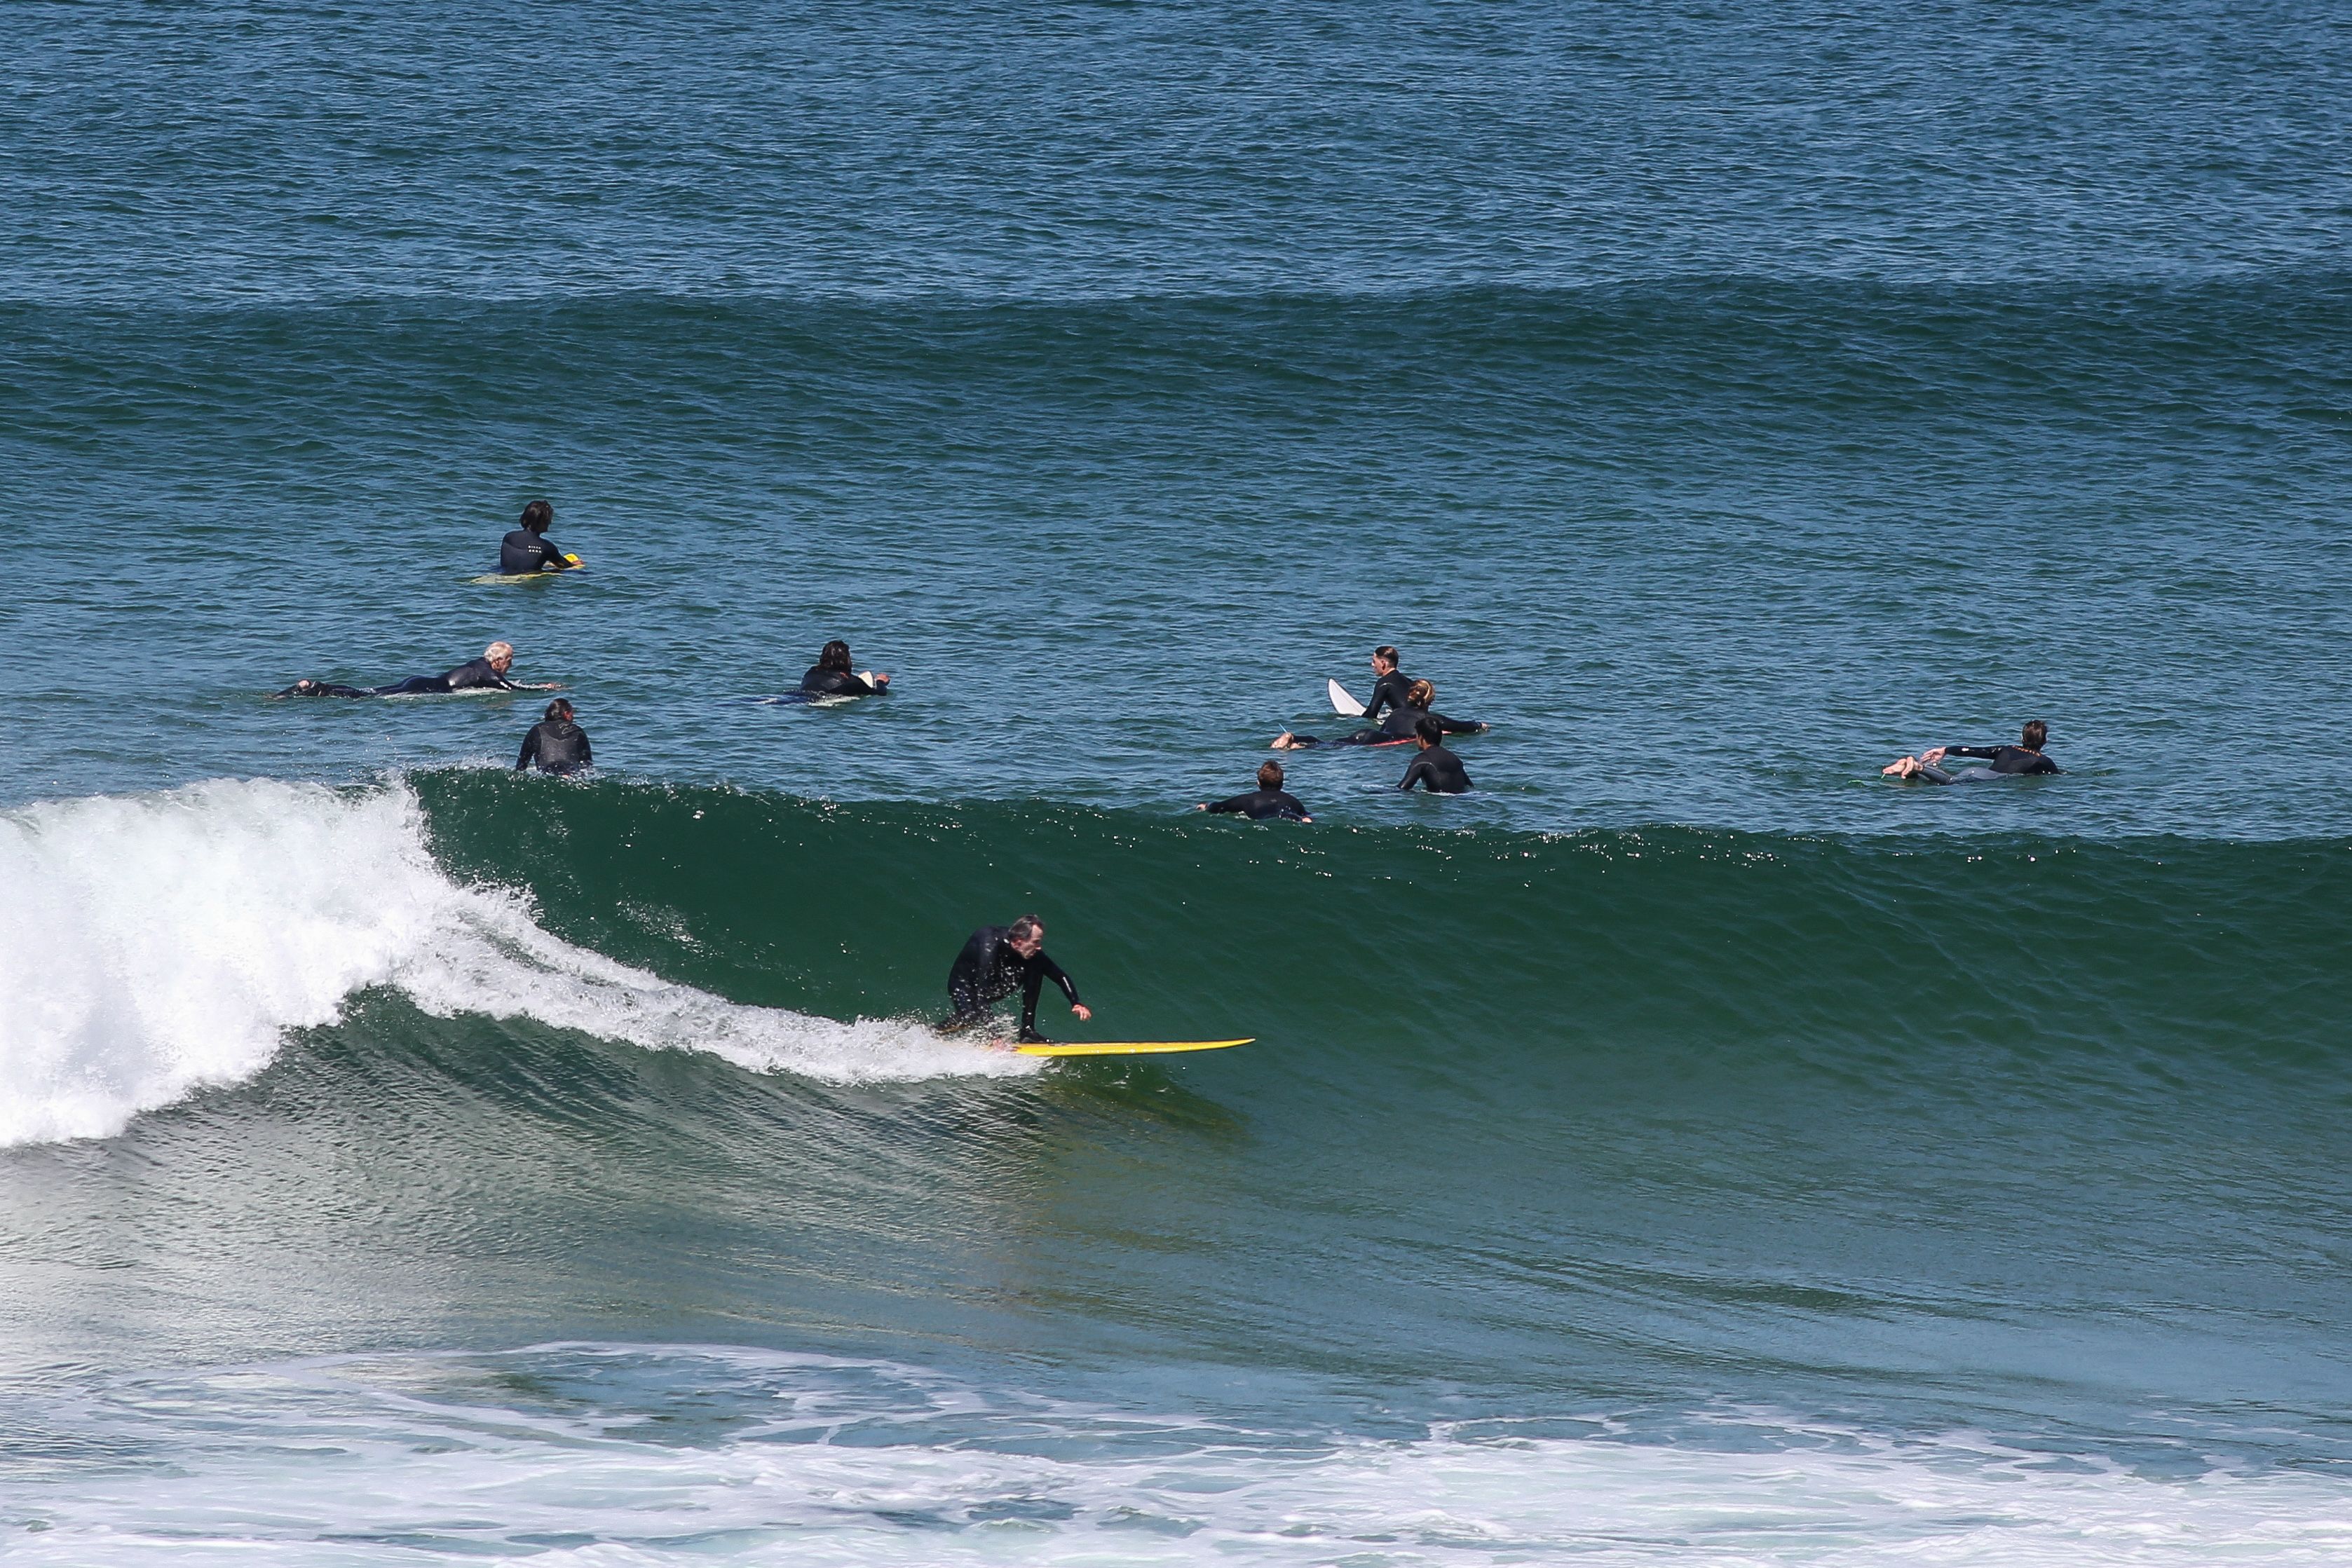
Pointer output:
x,y
997,961
1269,800
2008,761
831,676
1395,730
487,672
1390,688
556,744
525,549
1436,769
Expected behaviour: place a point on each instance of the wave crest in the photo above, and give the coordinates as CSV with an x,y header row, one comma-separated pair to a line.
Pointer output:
x,y
152,945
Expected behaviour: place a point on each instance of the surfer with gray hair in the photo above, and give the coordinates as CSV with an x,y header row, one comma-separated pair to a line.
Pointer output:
x,y
487,673
998,961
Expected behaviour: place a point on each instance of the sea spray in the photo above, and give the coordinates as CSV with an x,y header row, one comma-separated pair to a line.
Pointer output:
x,y
153,944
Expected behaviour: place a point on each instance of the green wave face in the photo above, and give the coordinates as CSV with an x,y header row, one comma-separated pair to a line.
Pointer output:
x,y
1362,946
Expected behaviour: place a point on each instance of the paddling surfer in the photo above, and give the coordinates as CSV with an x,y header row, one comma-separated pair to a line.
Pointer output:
x,y
2020,761
487,673
998,961
1268,799
1404,719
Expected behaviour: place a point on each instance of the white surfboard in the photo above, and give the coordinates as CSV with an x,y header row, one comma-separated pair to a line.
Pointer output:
x,y
1343,705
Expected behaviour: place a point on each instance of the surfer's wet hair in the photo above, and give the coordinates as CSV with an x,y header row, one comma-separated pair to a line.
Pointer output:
x,y
1025,927
560,708
2036,732
835,657
1269,776
539,516
1421,694
1430,730
1386,654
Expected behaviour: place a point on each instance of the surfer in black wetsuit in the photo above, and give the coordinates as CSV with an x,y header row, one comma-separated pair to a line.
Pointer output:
x,y
1269,800
1403,721
831,676
997,961
1390,687
555,744
2008,761
1436,769
525,549
487,672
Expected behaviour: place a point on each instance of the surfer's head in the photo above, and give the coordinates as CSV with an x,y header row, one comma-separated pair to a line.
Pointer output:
x,y
1384,661
560,708
1421,695
500,655
1269,776
539,516
2036,732
1428,732
835,657
1026,935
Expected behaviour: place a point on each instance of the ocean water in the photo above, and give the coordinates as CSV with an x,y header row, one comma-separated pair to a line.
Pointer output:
x,y
1687,1148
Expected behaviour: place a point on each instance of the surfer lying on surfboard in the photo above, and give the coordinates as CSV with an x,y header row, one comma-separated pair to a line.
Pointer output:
x,y
998,961
487,673
1395,730
2008,761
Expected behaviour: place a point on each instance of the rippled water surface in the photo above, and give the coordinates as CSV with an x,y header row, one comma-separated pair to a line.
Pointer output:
x,y
1687,1147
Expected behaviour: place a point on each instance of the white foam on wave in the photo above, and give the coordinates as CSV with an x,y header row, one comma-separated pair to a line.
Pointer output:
x,y
359,1462
153,944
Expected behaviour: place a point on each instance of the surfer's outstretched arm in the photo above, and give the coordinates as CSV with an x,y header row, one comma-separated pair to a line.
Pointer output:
x,y
1040,969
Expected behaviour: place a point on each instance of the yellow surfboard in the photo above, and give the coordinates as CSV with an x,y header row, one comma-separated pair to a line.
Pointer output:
x,y
1130,1047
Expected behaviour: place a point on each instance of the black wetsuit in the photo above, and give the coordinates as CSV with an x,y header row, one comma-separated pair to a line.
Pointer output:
x,y
988,970
2007,759
1398,726
2008,762
471,674
522,550
474,675
1392,690
1438,770
557,745
1260,804
820,682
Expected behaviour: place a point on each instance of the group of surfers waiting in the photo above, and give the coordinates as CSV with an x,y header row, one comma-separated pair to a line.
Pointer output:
x,y
1402,710
997,961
